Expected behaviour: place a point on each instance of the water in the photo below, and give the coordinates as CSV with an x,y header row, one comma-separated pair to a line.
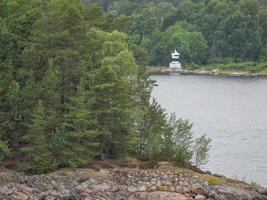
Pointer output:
x,y
232,111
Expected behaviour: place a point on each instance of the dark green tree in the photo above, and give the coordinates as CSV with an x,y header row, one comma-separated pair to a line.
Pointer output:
x,y
38,156
80,131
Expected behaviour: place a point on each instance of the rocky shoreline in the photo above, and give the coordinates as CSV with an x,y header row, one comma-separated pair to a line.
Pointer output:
x,y
122,183
166,71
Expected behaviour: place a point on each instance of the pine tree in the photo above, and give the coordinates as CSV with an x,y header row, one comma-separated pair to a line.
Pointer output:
x,y
4,149
113,87
50,88
38,157
79,130
14,122
4,115
4,108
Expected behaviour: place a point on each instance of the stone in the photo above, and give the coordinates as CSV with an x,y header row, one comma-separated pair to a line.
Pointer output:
x,y
153,181
172,189
200,189
237,193
132,189
5,190
20,196
115,184
166,196
158,184
153,188
179,189
142,188
200,197
163,188
168,183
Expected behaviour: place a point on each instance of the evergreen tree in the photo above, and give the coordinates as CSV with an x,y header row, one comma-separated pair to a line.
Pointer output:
x,y
152,130
38,157
113,87
50,93
80,130
14,127
75,92
4,149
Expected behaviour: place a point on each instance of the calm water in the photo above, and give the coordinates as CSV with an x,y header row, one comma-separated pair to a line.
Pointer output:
x,y
232,111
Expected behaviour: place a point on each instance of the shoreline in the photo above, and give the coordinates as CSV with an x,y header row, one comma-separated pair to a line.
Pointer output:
x,y
201,72
110,181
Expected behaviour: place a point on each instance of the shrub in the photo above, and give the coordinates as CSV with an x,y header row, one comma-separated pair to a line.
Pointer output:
x,y
202,146
4,149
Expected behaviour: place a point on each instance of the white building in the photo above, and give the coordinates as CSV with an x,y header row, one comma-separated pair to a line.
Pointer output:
x,y
175,64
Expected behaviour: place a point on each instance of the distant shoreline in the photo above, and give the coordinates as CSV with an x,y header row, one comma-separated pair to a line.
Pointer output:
x,y
202,72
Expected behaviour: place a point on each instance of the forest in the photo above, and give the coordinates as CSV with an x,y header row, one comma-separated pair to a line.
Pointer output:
x,y
204,31
73,83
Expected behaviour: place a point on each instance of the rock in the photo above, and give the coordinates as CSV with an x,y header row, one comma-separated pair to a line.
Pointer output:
x,y
158,184
172,189
153,181
20,196
163,188
132,189
142,188
200,189
153,188
166,196
261,190
5,190
178,189
122,184
230,192
200,197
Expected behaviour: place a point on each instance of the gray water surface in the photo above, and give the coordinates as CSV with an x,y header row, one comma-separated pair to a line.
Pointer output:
x,y
232,111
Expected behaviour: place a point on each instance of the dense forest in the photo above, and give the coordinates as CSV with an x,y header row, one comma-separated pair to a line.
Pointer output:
x,y
204,31
71,91
73,84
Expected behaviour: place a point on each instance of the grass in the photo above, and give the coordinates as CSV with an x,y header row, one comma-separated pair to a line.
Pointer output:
x,y
213,180
155,70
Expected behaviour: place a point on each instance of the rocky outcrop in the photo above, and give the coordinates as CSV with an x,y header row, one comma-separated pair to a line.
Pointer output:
x,y
121,184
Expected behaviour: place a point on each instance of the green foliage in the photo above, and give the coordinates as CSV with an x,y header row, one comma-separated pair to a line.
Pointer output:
x,y
169,138
4,150
201,148
192,46
112,87
249,66
79,131
234,28
70,87
152,128
183,139
38,157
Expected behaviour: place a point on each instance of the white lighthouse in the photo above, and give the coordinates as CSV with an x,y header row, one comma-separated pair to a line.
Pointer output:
x,y
175,64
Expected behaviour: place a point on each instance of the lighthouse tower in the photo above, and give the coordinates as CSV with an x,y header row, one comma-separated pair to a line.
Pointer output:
x,y
175,64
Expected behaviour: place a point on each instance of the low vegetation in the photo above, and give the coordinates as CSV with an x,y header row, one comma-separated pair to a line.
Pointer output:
x,y
250,67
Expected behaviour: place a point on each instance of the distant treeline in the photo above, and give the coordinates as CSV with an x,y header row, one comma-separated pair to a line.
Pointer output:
x,y
203,31
71,91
